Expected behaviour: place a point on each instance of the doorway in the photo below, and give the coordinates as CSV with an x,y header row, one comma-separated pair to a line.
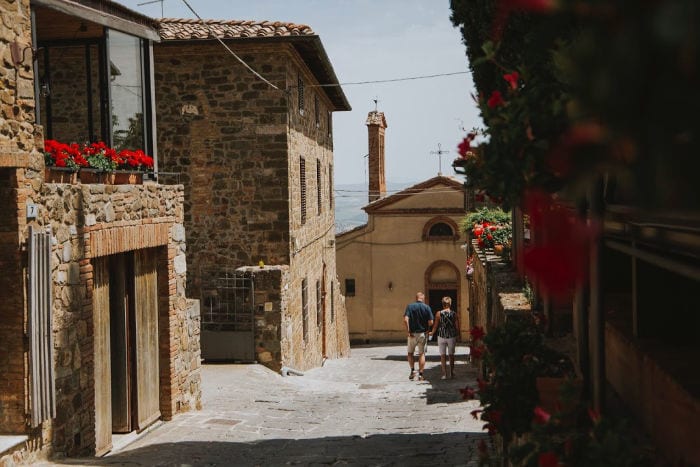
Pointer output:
x,y
125,308
435,299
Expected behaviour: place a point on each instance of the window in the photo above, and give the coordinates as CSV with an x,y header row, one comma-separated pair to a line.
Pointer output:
x,y
126,91
318,186
330,186
305,308
300,94
440,230
302,188
349,287
319,305
332,301
317,112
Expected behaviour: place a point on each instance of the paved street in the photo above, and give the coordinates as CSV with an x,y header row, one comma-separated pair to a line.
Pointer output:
x,y
357,411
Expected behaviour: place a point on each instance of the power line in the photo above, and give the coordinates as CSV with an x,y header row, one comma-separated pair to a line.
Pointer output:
x,y
211,30
393,80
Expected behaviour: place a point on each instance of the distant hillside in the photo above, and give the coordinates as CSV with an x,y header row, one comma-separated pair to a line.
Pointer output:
x,y
351,198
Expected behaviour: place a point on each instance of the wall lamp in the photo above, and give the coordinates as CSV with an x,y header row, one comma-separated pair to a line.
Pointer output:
x,y
390,286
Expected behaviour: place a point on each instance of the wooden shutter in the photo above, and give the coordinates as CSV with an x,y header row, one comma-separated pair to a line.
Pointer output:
x,y
103,369
146,314
43,389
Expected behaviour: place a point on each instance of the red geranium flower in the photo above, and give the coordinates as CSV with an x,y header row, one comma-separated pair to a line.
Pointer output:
x,y
548,459
468,393
541,416
495,100
594,415
512,79
477,333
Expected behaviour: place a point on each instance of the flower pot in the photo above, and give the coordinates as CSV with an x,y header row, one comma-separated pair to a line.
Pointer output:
x,y
60,175
498,249
127,178
91,176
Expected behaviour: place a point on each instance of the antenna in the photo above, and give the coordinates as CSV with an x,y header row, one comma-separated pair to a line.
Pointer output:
x,y
439,153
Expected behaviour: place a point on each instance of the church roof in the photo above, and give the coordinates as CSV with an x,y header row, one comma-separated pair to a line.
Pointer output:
x,y
385,202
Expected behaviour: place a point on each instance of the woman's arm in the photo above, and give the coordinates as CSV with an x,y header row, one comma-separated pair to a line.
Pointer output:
x,y
435,324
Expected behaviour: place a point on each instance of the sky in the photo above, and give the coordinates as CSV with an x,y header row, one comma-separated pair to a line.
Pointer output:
x,y
369,40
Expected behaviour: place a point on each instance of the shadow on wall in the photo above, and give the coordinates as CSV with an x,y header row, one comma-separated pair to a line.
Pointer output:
x,y
395,449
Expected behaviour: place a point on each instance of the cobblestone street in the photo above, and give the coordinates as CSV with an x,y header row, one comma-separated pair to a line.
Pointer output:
x,y
357,411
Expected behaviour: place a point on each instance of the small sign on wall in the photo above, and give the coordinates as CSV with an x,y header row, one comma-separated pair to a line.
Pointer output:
x,y
268,306
32,211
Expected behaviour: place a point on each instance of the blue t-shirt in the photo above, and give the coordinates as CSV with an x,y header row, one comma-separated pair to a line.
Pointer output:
x,y
419,314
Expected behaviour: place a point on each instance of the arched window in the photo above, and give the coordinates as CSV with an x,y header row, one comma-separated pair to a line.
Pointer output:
x,y
440,228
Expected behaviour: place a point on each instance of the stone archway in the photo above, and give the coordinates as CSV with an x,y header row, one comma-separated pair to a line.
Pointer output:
x,y
442,278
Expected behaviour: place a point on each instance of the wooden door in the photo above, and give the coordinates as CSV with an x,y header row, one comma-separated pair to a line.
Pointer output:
x,y
146,338
121,342
103,384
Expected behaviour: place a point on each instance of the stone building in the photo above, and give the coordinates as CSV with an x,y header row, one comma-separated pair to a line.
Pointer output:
x,y
256,160
96,334
411,243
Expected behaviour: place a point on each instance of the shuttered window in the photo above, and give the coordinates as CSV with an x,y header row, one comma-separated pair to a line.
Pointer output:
x,y
318,187
300,94
305,308
317,112
319,305
302,188
330,187
43,390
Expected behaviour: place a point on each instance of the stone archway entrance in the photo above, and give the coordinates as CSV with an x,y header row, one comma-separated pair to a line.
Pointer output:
x,y
442,280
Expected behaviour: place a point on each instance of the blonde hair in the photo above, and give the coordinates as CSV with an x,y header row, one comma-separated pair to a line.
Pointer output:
x,y
446,301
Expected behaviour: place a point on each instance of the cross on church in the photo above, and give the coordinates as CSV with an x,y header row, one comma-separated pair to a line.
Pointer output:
x,y
376,101
439,153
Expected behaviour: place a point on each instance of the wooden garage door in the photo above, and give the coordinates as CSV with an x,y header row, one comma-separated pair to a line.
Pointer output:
x,y
103,385
146,314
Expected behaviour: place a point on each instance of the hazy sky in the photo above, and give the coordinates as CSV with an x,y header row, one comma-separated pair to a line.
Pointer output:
x,y
375,40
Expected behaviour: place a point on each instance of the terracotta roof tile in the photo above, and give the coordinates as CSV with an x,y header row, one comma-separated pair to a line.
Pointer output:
x,y
184,29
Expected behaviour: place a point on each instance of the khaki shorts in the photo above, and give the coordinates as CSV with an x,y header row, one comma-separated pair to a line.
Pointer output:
x,y
416,340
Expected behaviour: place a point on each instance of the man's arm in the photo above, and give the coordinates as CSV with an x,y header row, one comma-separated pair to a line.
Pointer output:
x,y
408,328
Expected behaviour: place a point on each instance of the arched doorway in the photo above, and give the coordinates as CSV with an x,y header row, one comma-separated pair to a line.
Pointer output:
x,y
442,280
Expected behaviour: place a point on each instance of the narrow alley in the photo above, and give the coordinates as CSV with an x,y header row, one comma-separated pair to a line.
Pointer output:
x,y
357,411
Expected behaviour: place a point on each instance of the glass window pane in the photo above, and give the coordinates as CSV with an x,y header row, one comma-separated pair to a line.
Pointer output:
x,y
126,87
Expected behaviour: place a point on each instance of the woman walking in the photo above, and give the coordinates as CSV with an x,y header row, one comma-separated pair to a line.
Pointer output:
x,y
447,326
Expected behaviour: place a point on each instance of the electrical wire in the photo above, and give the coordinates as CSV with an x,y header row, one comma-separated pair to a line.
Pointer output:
x,y
211,30
393,80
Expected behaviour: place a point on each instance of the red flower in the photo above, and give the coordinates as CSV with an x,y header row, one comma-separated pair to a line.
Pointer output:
x,y
541,416
477,333
493,228
594,415
512,79
464,147
489,237
475,414
548,459
494,416
478,231
477,352
495,100
468,393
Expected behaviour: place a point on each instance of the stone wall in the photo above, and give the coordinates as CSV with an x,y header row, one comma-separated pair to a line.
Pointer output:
x,y
237,144
17,156
225,132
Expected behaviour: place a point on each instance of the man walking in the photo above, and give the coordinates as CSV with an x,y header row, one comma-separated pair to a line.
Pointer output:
x,y
418,318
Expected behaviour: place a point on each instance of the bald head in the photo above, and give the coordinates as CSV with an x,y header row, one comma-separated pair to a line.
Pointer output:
x,y
420,297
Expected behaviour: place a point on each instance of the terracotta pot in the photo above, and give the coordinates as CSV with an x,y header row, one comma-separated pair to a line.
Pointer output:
x,y
60,175
127,178
498,249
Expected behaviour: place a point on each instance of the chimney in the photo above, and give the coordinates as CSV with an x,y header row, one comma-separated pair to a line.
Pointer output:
x,y
376,124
